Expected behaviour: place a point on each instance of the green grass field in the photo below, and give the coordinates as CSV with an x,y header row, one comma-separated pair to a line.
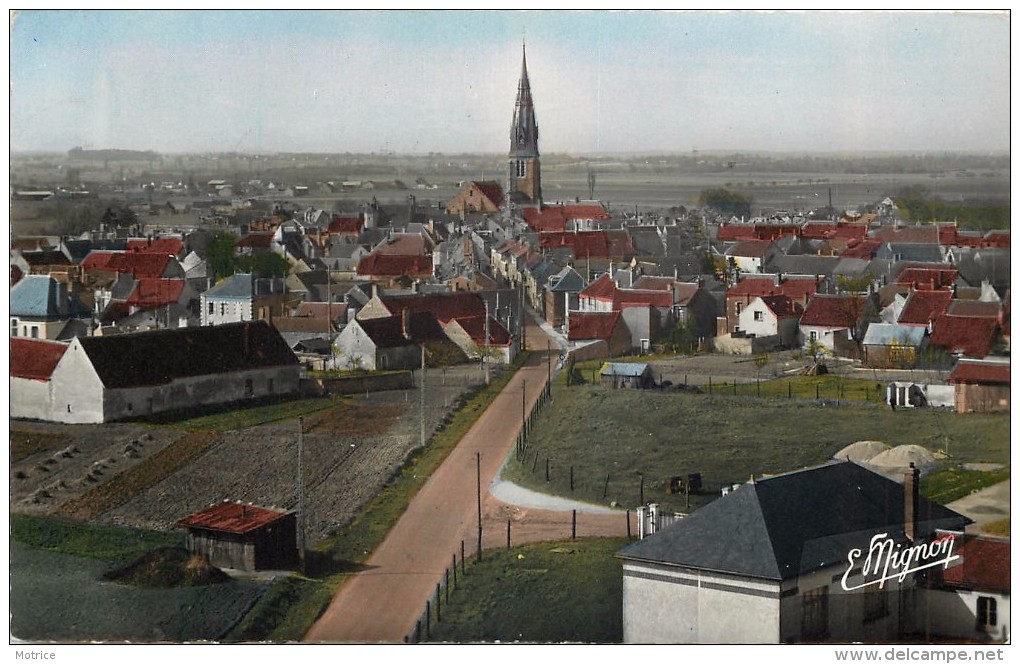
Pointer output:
x,y
613,437
554,592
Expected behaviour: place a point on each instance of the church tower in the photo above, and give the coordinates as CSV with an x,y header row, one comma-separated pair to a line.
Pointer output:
x,y
524,175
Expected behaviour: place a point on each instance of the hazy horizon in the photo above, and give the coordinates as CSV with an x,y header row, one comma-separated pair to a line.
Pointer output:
x,y
444,82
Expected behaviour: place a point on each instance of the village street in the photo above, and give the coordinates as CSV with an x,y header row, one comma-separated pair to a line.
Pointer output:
x,y
383,603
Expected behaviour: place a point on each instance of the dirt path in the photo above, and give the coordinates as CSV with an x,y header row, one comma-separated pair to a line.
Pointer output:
x,y
381,604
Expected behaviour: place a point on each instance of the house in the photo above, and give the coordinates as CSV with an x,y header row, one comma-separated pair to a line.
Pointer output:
x,y
242,297
561,295
246,537
970,601
390,267
627,375
781,560
982,386
924,306
42,308
107,378
32,362
485,196
748,255
964,336
771,316
798,288
608,328
391,342
559,218
829,323
479,336
893,346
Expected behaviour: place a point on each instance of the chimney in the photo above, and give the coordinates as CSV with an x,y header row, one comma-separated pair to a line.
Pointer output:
x,y
911,482
405,323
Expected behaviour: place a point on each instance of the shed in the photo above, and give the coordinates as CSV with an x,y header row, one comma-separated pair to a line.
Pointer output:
x,y
239,536
632,375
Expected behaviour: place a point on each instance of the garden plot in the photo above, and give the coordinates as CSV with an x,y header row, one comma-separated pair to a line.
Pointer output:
x,y
61,598
349,452
76,459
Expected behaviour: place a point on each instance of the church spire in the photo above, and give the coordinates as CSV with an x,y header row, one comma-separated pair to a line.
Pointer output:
x,y
523,175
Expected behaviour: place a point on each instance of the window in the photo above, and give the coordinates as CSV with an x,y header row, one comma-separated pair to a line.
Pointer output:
x,y
211,309
814,336
987,617
270,385
223,309
814,622
759,315
522,168
249,388
14,327
35,331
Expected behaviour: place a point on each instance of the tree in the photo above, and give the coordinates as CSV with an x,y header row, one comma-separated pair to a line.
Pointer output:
x,y
262,265
219,254
726,202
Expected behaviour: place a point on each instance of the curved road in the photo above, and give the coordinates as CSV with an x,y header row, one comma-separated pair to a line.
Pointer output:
x,y
382,603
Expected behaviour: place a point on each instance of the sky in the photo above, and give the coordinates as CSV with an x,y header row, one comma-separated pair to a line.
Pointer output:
x,y
419,81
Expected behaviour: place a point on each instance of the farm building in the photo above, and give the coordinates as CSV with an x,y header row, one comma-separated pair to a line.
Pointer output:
x,y
239,536
627,375
102,379
768,562
982,386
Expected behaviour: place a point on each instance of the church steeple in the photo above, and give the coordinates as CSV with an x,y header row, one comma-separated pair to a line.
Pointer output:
x,y
524,182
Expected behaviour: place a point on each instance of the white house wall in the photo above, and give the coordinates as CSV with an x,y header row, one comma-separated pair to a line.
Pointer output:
x,y
225,311
30,399
353,349
954,614
76,390
663,604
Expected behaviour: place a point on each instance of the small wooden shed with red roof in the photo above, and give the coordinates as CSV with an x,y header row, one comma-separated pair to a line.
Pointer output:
x,y
243,536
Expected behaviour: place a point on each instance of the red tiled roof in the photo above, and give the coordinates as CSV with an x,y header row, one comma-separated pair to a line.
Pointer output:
x,y
947,234
150,293
256,241
395,265
403,244
444,306
683,292
923,307
980,372
629,297
734,232
475,328
771,232
782,306
603,288
34,359
998,239
160,245
233,518
490,190
754,287
974,308
972,336
865,249
554,218
831,311
587,325
910,234
928,277
346,225
334,310
585,244
137,264
985,565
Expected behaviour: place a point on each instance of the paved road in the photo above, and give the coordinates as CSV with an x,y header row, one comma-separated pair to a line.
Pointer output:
x,y
383,603
984,506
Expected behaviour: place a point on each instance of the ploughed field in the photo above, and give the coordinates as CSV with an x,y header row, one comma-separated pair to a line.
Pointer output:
x,y
149,476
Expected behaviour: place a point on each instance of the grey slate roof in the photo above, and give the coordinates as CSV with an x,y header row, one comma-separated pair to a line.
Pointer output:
x,y
802,264
884,334
781,527
239,286
910,251
567,280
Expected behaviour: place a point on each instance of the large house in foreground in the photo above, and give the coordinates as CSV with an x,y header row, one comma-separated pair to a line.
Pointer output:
x,y
768,563
101,379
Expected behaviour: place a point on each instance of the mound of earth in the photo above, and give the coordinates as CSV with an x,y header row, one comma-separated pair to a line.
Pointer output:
x,y
861,451
169,567
902,456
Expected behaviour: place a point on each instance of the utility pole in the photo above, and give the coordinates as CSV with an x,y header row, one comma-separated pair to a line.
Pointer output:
x,y
421,402
301,492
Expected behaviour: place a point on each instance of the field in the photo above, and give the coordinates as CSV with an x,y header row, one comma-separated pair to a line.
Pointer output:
x,y
555,592
727,439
